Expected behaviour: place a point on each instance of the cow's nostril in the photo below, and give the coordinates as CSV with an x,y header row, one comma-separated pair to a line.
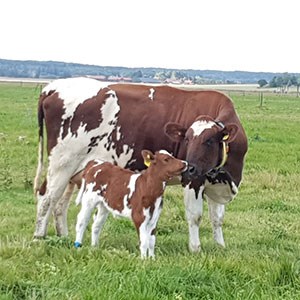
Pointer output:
x,y
192,170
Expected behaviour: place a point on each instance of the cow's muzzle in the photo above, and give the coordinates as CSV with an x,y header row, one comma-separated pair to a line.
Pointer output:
x,y
190,173
192,170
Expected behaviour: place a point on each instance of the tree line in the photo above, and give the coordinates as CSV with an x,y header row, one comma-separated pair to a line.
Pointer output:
x,y
53,69
283,82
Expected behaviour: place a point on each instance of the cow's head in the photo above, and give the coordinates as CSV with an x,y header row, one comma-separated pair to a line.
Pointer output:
x,y
203,140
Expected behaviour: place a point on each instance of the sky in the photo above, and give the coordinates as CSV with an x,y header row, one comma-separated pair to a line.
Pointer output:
x,y
228,35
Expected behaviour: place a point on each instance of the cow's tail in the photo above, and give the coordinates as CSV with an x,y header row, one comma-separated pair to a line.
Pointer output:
x,y
80,193
40,166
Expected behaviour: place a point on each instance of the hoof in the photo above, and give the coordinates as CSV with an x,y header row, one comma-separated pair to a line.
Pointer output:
x,y
38,238
77,245
195,248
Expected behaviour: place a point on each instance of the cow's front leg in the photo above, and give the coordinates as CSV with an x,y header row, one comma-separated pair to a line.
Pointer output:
x,y
194,211
216,213
218,195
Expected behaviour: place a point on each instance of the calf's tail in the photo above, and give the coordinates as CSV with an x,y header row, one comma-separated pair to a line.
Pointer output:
x,y
80,193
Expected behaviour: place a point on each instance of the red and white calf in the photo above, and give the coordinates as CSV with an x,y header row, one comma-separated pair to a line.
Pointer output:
x,y
122,192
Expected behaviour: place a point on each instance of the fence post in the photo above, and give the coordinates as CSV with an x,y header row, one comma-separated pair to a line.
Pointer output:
x,y
261,97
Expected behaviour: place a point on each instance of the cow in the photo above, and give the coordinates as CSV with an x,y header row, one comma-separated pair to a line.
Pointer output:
x,y
86,119
138,196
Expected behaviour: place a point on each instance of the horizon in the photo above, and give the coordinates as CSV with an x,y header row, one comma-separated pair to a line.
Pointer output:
x,y
163,68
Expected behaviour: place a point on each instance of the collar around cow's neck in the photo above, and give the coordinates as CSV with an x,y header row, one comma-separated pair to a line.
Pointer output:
x,y
225,149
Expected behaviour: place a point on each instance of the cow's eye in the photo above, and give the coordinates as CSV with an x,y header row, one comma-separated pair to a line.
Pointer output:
x,y
208,142
167,159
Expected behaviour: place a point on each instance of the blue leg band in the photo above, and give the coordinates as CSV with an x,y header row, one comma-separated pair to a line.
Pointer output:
x,y
77,245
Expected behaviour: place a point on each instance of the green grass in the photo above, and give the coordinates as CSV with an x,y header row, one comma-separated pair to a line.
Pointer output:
x,y
261,228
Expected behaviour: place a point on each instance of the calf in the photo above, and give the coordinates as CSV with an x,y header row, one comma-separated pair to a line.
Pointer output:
x,y
122,192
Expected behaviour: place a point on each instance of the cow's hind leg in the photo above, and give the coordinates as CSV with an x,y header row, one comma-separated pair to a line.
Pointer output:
x,y
194,211
55,189
99,221
60,212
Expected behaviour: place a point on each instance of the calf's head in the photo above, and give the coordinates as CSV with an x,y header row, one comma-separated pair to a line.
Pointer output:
x,y
162,162
203,141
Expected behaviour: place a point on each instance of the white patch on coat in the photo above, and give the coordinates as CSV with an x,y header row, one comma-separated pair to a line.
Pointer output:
x,y
156,211
85,189
98,162
76,158
199,126
220,192
164,152
97,172
151,94
80,193
118,133
132,184
125,156
126,212
74,91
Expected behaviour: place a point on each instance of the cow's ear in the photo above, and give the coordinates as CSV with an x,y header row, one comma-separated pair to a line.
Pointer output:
x,y
230,132
175,131
148,157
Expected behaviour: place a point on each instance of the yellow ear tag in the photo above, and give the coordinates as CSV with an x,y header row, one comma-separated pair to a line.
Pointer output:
x,y
147,162
226,137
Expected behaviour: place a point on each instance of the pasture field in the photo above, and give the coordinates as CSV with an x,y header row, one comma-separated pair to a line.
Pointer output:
x,y
261,228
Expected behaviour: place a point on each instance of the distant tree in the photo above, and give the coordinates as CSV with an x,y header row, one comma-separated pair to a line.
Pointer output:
x,y
137,74
262,82
276,81
298,85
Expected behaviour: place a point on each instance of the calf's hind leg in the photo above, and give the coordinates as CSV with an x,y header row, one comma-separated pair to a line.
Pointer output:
x,y
88,205
99,221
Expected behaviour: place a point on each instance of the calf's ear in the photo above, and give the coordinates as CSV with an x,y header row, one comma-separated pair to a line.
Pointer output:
x,y
231,131
175,131
148,157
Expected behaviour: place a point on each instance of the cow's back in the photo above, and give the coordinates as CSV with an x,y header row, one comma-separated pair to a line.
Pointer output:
x,y
115,123
145,110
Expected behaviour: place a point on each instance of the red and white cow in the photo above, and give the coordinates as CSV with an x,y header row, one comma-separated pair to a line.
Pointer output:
x,y
86,120
124,193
